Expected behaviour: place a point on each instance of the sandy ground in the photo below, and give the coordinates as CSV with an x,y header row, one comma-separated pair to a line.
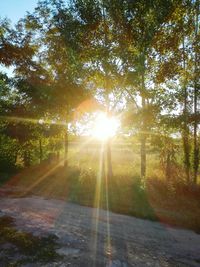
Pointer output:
x,y
89,237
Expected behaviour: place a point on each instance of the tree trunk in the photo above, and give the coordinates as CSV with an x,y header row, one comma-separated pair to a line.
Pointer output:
x,y
109,160
16,155
143,133
40,150
186,145
66,143
143,156
196,147
167,168
186,148
195,155
27,158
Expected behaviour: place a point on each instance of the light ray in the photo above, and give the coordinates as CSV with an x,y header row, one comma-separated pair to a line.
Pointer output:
x,y
108,245
97,202
41,178
30,120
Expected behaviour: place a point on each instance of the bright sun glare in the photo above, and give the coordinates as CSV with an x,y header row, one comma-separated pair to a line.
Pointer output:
x,y
105,127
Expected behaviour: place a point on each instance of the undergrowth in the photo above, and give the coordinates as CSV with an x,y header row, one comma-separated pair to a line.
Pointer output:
x,y
171,202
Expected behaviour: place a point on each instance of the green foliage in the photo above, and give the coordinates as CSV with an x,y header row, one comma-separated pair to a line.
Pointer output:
x,y
7,157
82,187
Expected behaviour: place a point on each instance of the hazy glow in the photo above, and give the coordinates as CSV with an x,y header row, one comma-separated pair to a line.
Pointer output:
x,y
41,121
105,127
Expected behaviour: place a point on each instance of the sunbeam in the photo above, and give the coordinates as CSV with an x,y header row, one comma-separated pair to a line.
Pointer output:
x,y
108,245
41,178
97,202
31,120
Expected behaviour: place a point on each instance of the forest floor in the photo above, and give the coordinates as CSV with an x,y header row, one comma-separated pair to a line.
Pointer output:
x,y
90,237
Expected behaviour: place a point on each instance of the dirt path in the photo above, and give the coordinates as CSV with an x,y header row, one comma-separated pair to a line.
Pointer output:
x,y
92,238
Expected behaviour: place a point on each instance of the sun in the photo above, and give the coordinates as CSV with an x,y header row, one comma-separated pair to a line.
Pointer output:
x,y
104,126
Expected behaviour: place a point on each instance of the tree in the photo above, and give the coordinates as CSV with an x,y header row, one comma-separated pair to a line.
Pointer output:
x,y
100,58
174,52
136,24
196,90
54,78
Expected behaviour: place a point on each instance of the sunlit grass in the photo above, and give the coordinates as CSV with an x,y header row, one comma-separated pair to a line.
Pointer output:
x,y
125,162
124,193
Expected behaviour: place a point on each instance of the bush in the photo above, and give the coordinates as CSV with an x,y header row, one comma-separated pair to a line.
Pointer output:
x,y
7,157
82,187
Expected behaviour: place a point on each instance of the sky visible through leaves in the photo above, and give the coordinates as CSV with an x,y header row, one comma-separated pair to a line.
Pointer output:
x,y
14,10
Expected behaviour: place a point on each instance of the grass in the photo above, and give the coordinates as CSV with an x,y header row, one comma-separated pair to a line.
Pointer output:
x,y
125,161
172,203
23,247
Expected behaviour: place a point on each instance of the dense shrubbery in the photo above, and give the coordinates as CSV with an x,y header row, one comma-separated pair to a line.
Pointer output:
x,y
8,154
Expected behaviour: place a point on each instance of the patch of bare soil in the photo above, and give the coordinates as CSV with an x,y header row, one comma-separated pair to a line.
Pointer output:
x,y
91,237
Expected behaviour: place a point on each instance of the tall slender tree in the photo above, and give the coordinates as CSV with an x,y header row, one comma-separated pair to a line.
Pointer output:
x,y
196,91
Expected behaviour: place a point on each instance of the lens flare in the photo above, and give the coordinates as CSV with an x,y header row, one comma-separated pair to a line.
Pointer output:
x,y
105,127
